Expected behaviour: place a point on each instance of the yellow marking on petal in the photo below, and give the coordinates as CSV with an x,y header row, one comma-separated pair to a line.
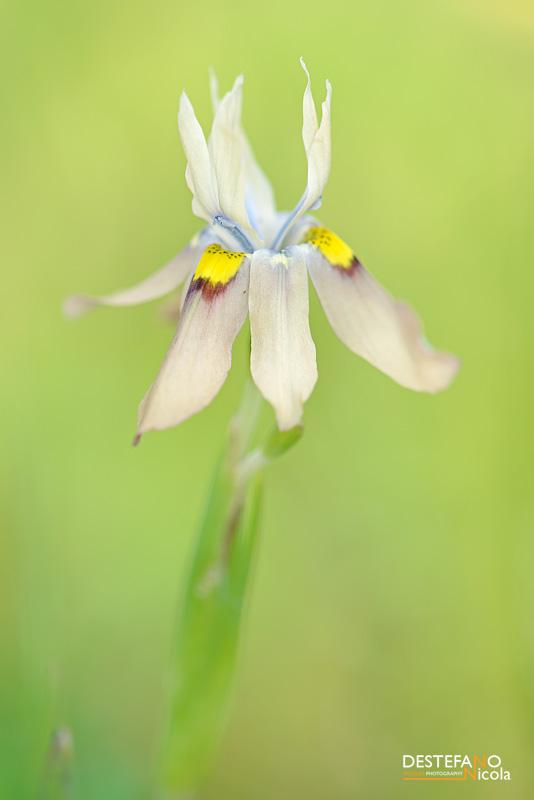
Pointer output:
x,y
334,249
217,266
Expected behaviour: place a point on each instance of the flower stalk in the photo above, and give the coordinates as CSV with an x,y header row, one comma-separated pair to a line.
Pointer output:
x,y
214,595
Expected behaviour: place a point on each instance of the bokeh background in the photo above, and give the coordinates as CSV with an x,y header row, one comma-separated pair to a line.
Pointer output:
x,y
392,609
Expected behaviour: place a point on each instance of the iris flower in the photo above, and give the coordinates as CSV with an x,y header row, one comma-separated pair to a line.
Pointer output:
x,y
252,260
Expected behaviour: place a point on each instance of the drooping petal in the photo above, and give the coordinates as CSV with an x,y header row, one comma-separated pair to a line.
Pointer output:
x,y
384,331
283,361
259,196
199,171
171,310
156,285
200,355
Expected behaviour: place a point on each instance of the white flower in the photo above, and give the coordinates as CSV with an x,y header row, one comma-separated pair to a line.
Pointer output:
x,y
252,259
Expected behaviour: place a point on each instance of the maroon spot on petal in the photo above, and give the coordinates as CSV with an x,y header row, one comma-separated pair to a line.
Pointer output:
x,y
136,439
208,289
353,267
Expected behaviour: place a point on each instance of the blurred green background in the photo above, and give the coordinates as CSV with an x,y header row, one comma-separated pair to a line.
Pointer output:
x,y
392,610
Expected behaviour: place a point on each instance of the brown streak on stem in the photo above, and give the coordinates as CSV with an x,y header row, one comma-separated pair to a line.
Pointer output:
x,y
230,532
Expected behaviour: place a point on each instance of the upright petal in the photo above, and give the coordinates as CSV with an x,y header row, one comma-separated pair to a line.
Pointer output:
x,y
200,355
259,196
228,157
310,123
156,285
319,156
317,144
283,354
384,331
199,172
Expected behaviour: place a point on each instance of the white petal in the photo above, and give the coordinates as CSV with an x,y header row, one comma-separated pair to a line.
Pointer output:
x,y
283,354
172,309
156,285
228,157
199,357
317,144
318,152
384,331
214,90
319,155
199,173
259,196
310,123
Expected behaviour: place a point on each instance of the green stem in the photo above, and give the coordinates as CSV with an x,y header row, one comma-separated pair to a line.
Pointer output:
x,y
213,600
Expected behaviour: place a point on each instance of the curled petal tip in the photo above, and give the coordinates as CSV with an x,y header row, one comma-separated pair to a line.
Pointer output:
x,y
184,99
77,305
136,439
437,368
214,88
305,68
450,367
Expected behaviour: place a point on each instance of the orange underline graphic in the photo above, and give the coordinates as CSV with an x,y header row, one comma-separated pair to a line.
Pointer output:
x,y
418,778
